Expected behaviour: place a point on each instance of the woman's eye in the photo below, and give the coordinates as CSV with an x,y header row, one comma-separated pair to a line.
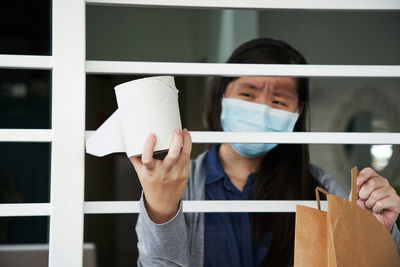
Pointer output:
x,y
279,103
247,95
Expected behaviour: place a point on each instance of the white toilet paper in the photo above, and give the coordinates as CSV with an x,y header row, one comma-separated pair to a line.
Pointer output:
x,y
145,106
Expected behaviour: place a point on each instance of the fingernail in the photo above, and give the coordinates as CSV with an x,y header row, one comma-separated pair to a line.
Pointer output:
x,y
178,131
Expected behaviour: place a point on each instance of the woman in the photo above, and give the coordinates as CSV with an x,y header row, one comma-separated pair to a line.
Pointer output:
x,y
167,237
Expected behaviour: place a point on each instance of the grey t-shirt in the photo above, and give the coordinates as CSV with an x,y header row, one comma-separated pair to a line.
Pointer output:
x,y
180,241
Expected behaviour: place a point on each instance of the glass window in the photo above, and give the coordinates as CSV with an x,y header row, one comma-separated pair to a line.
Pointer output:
x,y
25,99
114,237
24,241
24,172
207,35
24,230
25,27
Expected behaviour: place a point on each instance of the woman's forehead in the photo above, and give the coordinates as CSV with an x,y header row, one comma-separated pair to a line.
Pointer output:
x,y
287,84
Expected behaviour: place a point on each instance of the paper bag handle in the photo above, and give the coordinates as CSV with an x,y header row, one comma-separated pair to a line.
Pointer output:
x,y
317,191
354,174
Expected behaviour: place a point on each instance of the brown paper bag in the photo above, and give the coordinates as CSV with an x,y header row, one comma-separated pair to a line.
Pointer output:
x,y
346,235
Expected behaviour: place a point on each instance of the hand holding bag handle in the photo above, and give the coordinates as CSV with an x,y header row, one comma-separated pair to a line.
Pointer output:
x,y
354,174
323,238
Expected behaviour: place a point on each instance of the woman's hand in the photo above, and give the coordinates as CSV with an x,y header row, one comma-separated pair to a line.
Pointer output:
x,y
164,181
376,195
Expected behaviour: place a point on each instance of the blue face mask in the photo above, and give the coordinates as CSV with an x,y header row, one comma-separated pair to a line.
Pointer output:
x,y
244,116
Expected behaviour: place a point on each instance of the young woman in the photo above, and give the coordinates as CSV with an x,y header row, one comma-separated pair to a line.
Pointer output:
x,y
167,237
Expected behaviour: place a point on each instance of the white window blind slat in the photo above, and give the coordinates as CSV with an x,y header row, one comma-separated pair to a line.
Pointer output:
x,y
235,70
296,137
204,137
126,207
26,62
116,207
28,209
25,135
261,4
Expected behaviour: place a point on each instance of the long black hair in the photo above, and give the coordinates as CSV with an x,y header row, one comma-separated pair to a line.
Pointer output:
x,y
284,173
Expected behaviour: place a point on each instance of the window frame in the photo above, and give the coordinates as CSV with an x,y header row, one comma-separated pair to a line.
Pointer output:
x,y
67,135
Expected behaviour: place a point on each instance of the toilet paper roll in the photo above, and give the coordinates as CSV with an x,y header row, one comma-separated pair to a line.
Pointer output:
x,y
145,106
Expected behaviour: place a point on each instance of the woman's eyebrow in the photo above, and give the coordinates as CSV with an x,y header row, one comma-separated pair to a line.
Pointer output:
x,y
283,93
250,86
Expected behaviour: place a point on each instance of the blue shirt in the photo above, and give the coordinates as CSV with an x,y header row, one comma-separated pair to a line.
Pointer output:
x,y
227,236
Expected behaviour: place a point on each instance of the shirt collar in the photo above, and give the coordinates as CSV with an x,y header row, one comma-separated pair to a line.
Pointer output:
x,y
214,170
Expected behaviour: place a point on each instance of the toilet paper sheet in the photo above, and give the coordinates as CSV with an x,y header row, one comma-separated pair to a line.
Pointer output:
x,y
145,106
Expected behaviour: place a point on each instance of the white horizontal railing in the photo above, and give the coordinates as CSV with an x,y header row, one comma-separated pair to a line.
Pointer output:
x,y
25,209
296,138
109,207
34,247
261,4
126,207
26,62
234,70
25,135
204,137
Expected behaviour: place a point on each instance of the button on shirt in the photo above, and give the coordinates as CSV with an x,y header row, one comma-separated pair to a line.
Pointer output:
x,y
227,236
